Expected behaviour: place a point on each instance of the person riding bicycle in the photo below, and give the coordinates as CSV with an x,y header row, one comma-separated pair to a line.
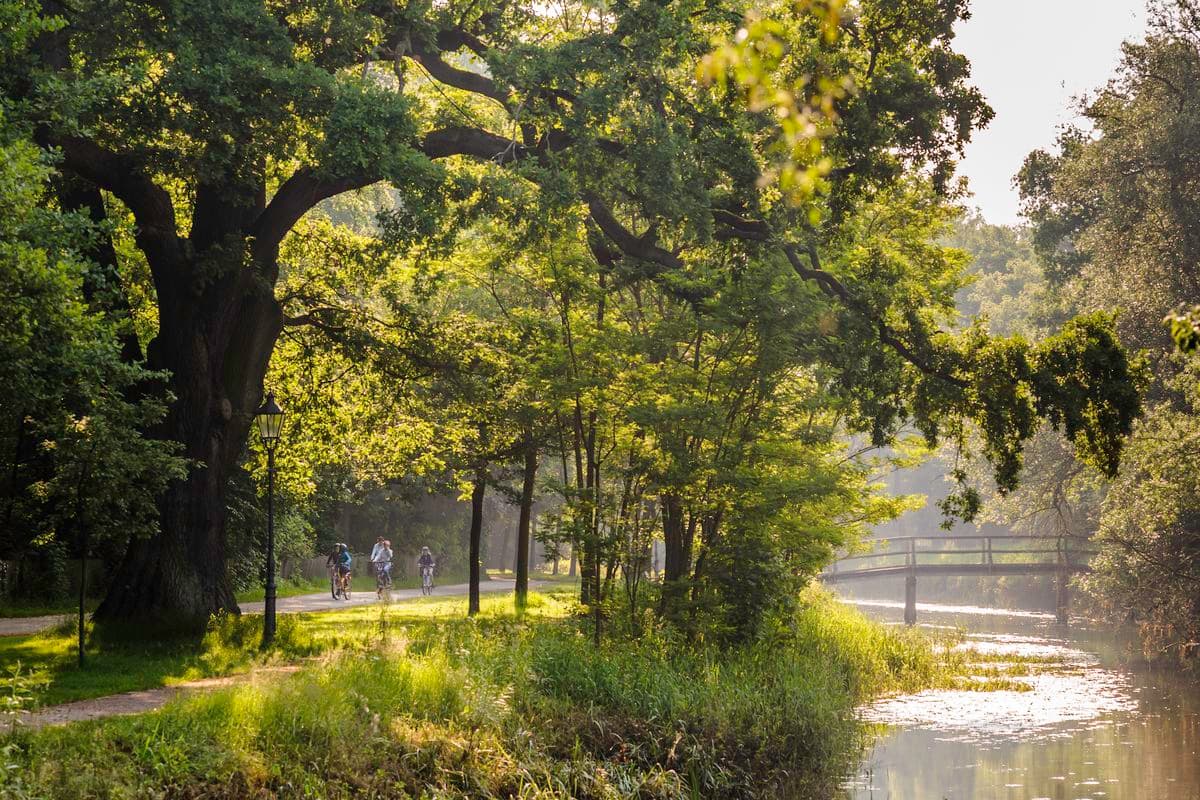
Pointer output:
x,y
425,562
375,559
332,557
375,553
338,563
344,560
383,564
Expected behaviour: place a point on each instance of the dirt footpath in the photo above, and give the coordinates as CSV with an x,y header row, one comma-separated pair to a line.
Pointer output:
x,y
129,702
23,626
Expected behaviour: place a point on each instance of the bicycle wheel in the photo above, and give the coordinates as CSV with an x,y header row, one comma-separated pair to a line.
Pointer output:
x,y
333,586
346,586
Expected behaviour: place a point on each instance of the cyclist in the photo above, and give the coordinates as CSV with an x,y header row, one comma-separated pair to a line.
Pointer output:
x,y
344,560
425,565
375,553
331,558
383,565
337,571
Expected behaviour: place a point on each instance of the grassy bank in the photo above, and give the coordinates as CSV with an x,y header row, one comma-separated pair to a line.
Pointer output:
x,y
418,702
122,661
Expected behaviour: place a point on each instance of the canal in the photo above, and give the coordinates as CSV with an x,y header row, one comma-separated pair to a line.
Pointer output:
x,y
1088,728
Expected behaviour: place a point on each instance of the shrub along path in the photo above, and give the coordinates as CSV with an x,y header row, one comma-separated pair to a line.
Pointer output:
x,y
320,601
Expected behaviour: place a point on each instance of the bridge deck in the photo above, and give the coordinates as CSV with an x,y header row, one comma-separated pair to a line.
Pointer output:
x,y
913,556
963,555
1042,568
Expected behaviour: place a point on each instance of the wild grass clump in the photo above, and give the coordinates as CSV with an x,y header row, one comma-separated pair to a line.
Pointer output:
x,y
874,659
232,642
772,715
388,725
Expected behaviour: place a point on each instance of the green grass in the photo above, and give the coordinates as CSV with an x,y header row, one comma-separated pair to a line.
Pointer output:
x,y
288,588
413,700
122,663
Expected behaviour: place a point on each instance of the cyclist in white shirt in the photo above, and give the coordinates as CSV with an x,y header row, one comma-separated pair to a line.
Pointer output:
x,y
384,565
375,559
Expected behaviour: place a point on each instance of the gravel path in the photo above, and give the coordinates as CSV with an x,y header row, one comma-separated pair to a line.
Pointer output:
x,y
324,601
23,626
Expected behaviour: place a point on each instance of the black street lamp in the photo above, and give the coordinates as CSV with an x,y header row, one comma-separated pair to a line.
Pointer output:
x,y
270,424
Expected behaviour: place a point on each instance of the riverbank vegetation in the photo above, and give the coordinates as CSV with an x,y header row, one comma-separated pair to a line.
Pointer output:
x,y
417,699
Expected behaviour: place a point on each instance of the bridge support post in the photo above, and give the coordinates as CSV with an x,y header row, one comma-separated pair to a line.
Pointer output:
x,y
1063,606
910,599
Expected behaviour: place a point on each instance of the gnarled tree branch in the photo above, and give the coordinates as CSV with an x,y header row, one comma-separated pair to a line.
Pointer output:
x,y
641,247
298,194
835,288
157,233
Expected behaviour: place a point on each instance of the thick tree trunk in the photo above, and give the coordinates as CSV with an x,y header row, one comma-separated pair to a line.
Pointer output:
x,y
523,540
709,526
216,346
477,492
678,532
674,567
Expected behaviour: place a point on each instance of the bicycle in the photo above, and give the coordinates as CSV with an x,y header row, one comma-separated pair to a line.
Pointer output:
x,y
427,580
383,581
339,584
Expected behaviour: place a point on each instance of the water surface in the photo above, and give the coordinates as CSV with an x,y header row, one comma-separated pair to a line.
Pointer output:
x,y
1089,729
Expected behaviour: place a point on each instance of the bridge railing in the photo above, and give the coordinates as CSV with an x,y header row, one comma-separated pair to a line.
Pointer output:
x,y
912,551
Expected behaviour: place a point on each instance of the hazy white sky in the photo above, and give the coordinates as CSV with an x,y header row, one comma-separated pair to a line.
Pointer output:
x,y
1030,58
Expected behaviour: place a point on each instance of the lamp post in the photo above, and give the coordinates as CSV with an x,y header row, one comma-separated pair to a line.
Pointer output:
x,y
270,423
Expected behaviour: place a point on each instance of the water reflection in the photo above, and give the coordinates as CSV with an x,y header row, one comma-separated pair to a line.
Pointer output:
x,y
1086,730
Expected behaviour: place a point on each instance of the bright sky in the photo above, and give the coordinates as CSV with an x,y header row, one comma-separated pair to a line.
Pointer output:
x,y
1030,58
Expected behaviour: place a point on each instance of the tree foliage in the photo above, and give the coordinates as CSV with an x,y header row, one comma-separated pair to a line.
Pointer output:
x,y
75,464
1113,215
583,250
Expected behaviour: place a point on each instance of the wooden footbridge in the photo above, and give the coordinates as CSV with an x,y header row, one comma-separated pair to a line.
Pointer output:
x,y
914,556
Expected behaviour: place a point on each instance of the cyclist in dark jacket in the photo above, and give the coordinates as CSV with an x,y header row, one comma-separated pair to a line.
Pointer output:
x,y
340,556
426,559
425,568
